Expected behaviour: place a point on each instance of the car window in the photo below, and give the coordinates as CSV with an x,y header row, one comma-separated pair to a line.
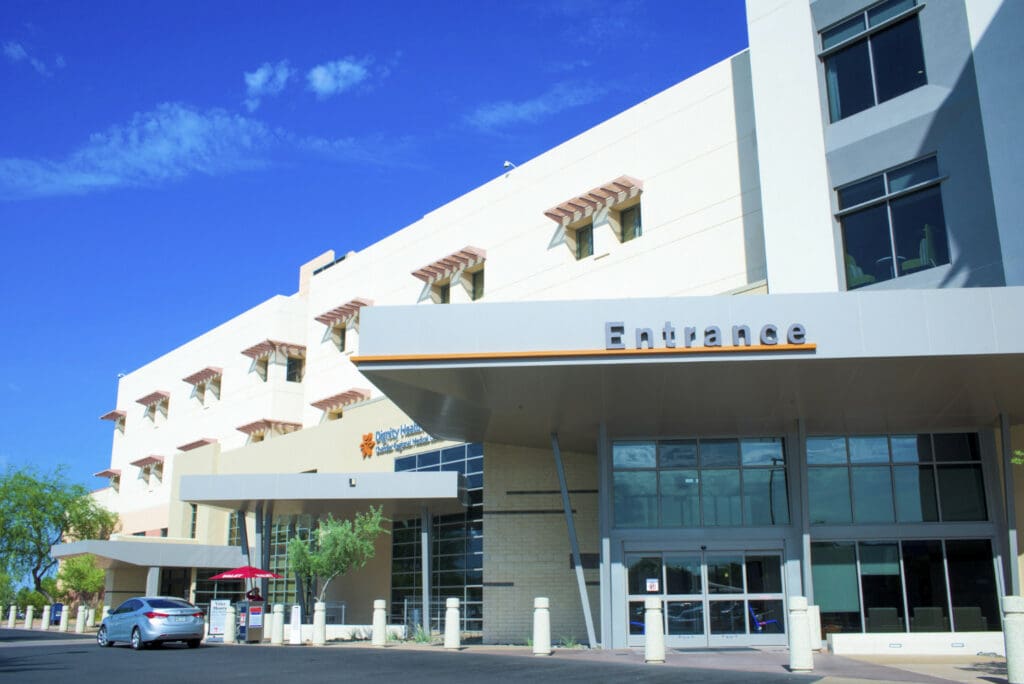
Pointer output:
x,y
123,608
169,603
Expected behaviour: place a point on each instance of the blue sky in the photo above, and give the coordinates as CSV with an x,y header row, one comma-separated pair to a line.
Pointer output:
x,y
145,145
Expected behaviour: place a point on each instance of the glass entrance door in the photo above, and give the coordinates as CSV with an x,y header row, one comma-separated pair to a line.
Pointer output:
x,y
709,598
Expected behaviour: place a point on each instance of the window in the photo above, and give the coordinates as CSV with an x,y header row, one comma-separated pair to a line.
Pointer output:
x,y
193,514
705,482
235,520
895,478
584,241
893,224
629,220
873,57
338,335
443,293
295,369
476,282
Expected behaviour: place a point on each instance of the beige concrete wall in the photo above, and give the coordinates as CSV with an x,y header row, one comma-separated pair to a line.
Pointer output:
x,y
359,589
122,583
526,541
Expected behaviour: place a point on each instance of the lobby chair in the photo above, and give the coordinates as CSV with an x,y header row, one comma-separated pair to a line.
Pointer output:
x,y
759,623
926,253
884,619
929,619
969,619
855,275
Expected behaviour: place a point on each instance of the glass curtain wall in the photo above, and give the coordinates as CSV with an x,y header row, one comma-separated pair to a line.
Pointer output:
x,y
285,590
456,547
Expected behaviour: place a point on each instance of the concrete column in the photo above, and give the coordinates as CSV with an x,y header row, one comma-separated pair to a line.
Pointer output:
x,y
90,619
45,624
426,523
814,625
104,613
800,656
12,616
30,614
654,632
541,626
319,623
1013,636
153,581
64,618
277,626
451,624
380,623
230,625
80,620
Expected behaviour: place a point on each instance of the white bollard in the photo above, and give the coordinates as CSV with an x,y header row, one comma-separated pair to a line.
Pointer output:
x,y
654,632
1013,636
12,616
80,620
64,618
30,614
814,626
541,626
451,624
295,627
46,619
380,623
90,618
104,613
319,623
800,656
277,626
230,625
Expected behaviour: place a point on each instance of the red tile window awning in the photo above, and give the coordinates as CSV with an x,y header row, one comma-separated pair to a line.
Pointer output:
x,y
344,313
467,257
267,425
603,196
268,347
152,459
208,373
153,397
343,399
196,444
116,414
109,472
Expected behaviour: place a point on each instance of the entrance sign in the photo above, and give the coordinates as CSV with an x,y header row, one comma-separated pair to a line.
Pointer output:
x,y
218,617
690,337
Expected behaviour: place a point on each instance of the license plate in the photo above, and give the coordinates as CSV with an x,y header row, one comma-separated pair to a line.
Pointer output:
x,y
179,618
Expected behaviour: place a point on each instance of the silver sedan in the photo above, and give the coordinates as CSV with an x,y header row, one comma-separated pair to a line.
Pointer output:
x,y
152,620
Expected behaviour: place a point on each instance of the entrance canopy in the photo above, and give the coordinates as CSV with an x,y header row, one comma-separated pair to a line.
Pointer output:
x,y
156,553
343,494
843,362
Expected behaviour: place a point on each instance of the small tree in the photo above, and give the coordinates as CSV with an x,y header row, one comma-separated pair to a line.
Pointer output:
x,y
81,580
337,547
38,510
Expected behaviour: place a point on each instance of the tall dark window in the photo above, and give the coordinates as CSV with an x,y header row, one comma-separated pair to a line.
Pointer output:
x,y
893,224
444,293
873,57
477,285
585,241
632,227
295,369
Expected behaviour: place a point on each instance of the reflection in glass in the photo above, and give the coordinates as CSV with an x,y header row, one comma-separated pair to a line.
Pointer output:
x,y
915,494
881,588
721,497
957,447
899,59
636,617
727,617
719,452
962,493
764,497
972,585
636,499
925,579
680,498
848,77
685,617
725,575
633,454
763,451
683,575
873,449
834,572
678,453
766,617
911,448
826,450
872,494
868,247
829,493
764,575
642,569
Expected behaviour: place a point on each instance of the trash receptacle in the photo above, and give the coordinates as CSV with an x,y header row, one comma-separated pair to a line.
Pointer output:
x,y
55,612
251,616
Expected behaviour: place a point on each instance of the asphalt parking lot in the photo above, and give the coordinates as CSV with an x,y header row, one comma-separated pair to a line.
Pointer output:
x,y
51,657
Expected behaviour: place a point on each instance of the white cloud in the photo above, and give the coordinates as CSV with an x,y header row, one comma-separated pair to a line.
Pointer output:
x,y
16,52
338,76
559,98
171,142
268,80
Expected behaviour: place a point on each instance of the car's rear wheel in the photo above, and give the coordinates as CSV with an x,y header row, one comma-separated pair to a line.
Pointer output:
x,y
101,637
137,642
193,643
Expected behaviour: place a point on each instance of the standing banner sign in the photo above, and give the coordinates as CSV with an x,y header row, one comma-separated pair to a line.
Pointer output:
x,y
218,617
295,626
256,616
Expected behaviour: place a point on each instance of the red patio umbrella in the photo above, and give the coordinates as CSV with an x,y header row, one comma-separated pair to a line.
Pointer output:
x,y
246,572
